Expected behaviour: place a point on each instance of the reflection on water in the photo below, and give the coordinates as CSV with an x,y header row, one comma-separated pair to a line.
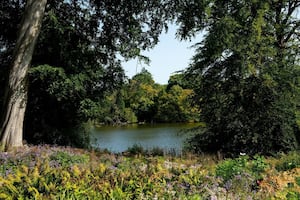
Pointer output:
x,y
118,139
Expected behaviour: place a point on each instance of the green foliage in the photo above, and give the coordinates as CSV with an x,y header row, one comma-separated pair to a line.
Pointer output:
x,y
242,165
293,195
144,77
75,64
229,168
245,75
141,93
130,116
175,105
65,159
178,79
258,165
151,102
141,100
136,149
288,162
156,151
114,110
297,180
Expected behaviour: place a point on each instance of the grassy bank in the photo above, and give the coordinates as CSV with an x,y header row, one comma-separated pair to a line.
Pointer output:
x,y
44,172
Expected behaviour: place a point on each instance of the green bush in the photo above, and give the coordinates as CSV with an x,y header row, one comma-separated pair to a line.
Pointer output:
x,y
258,166
288,162
293,195
231,167
243,164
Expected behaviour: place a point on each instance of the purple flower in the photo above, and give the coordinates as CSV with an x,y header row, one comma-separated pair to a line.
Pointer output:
x,y
113,168
4,157
54,164
238,177
214,197
31,164
8,171
228,185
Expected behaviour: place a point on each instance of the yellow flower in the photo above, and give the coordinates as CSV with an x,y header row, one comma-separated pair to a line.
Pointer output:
x,y
102,168
76,171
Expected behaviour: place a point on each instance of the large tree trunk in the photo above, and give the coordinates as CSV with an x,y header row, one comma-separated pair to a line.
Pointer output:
x,y
15,100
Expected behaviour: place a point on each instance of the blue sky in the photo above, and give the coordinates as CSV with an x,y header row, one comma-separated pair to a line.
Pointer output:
x,y
169,55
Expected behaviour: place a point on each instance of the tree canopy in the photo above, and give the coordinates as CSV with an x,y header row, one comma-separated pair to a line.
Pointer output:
x,y
142,100
247,72
75,61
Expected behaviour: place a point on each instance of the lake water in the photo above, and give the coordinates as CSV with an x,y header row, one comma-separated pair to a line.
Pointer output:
x,y
169,137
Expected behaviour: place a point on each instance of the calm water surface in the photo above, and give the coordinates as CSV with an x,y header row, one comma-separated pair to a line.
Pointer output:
x,y
169,137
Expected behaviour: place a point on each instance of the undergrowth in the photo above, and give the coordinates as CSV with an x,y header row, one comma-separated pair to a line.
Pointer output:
x,y
44,172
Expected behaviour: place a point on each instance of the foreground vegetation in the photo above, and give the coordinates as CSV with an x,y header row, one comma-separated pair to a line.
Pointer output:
x,y
44,172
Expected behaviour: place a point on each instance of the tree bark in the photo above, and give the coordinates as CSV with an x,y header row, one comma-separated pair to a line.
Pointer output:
x,y
15,100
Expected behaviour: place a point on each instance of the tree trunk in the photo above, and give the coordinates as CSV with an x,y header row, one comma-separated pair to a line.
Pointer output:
x,y
15,100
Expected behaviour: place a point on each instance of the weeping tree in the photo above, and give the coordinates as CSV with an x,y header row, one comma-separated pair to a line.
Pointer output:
x,y
77,60
15,97
245,73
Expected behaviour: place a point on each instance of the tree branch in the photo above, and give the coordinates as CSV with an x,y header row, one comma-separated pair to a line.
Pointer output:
x,y
292,32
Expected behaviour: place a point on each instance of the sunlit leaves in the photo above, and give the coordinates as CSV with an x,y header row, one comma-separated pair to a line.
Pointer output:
x,y
175,105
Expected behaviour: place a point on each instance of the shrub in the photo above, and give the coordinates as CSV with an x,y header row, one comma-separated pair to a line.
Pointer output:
x,y
288,162
233,167
258,166
293,195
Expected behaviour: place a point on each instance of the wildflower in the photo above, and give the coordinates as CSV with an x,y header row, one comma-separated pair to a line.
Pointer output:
x,y
238,177
228,185
113,167
8,171
31,164
76,171
213,197
54,164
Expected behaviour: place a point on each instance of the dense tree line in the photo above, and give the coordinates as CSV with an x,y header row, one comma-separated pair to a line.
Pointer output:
x,y
140,99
